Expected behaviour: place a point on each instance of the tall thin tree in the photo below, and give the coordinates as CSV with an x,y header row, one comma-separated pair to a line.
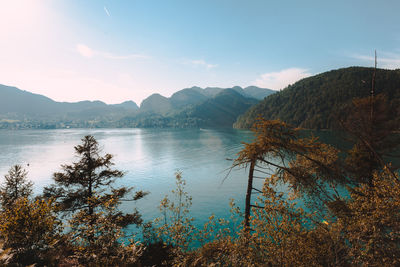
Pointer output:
x,y
86,187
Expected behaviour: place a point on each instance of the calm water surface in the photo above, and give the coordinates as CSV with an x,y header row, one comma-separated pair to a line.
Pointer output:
x,y
150,157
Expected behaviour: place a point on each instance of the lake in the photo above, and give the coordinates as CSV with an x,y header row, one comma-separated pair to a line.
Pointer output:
x,y
150,158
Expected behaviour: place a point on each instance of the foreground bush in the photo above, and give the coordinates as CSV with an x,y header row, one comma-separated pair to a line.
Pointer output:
x,y
31,232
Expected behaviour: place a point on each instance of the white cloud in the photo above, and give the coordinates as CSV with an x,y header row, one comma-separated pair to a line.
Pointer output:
x,y
88,52
281,79
130,56
384,60
200,63
85,51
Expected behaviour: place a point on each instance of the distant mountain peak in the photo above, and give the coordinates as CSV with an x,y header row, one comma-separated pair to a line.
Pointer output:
x,y
155,103
129,104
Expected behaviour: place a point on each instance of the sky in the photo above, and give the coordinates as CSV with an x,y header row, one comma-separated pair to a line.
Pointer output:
x,y
114,51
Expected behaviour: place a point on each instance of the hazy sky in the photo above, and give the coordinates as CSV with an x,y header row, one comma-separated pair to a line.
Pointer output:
x,y
71,50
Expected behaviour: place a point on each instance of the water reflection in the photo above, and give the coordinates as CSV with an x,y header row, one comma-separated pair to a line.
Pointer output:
x,y
150,158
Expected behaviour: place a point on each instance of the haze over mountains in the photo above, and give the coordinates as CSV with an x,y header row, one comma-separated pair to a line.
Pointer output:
x,y
23,109
157,103
315,102
16,104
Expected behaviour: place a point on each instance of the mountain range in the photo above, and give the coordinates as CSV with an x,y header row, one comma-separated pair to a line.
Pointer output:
x,y
22,109
220,110
314,103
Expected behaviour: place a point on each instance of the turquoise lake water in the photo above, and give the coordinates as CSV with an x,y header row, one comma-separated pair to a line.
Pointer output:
x,y
150,158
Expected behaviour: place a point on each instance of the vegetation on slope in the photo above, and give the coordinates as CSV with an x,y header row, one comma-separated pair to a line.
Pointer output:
x,y
318,102
336,229
362,228
219,111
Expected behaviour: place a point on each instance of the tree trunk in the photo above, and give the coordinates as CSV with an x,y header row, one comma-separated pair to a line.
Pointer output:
x,y
248,195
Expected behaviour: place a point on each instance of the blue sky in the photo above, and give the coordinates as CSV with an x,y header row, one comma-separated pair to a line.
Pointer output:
x,y
73,50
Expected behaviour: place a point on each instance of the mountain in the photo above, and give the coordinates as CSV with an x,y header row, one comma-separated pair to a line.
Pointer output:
x,y
188,96
14,100
258,93
195,107
250,91
316,102
159,104
189,107
219,111
155,103
127,104
223,109
16,104
211,91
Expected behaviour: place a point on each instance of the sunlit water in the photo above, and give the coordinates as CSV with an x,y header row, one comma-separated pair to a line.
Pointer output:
x,y
150,158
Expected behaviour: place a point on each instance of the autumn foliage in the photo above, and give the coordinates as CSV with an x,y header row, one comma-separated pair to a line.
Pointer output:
x,y
318,206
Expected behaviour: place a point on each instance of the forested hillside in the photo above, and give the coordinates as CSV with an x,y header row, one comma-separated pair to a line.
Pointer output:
x,y
219,111
317,102
190,97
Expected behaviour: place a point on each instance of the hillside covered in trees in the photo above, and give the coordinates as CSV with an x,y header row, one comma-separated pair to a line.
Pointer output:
x,y
220,110
318,102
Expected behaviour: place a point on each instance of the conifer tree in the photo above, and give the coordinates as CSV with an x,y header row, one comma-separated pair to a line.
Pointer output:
x,y
85,191
374,137
279,154
86,184
372,126
15,186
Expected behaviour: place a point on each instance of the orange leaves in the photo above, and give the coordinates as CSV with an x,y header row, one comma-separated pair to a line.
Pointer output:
x,y
30,227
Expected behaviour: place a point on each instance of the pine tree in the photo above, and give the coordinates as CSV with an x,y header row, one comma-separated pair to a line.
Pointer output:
x,y
84,190
279,154
372,128
15,186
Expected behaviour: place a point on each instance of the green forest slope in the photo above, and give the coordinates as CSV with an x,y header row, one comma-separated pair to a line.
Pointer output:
x,y
316,102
